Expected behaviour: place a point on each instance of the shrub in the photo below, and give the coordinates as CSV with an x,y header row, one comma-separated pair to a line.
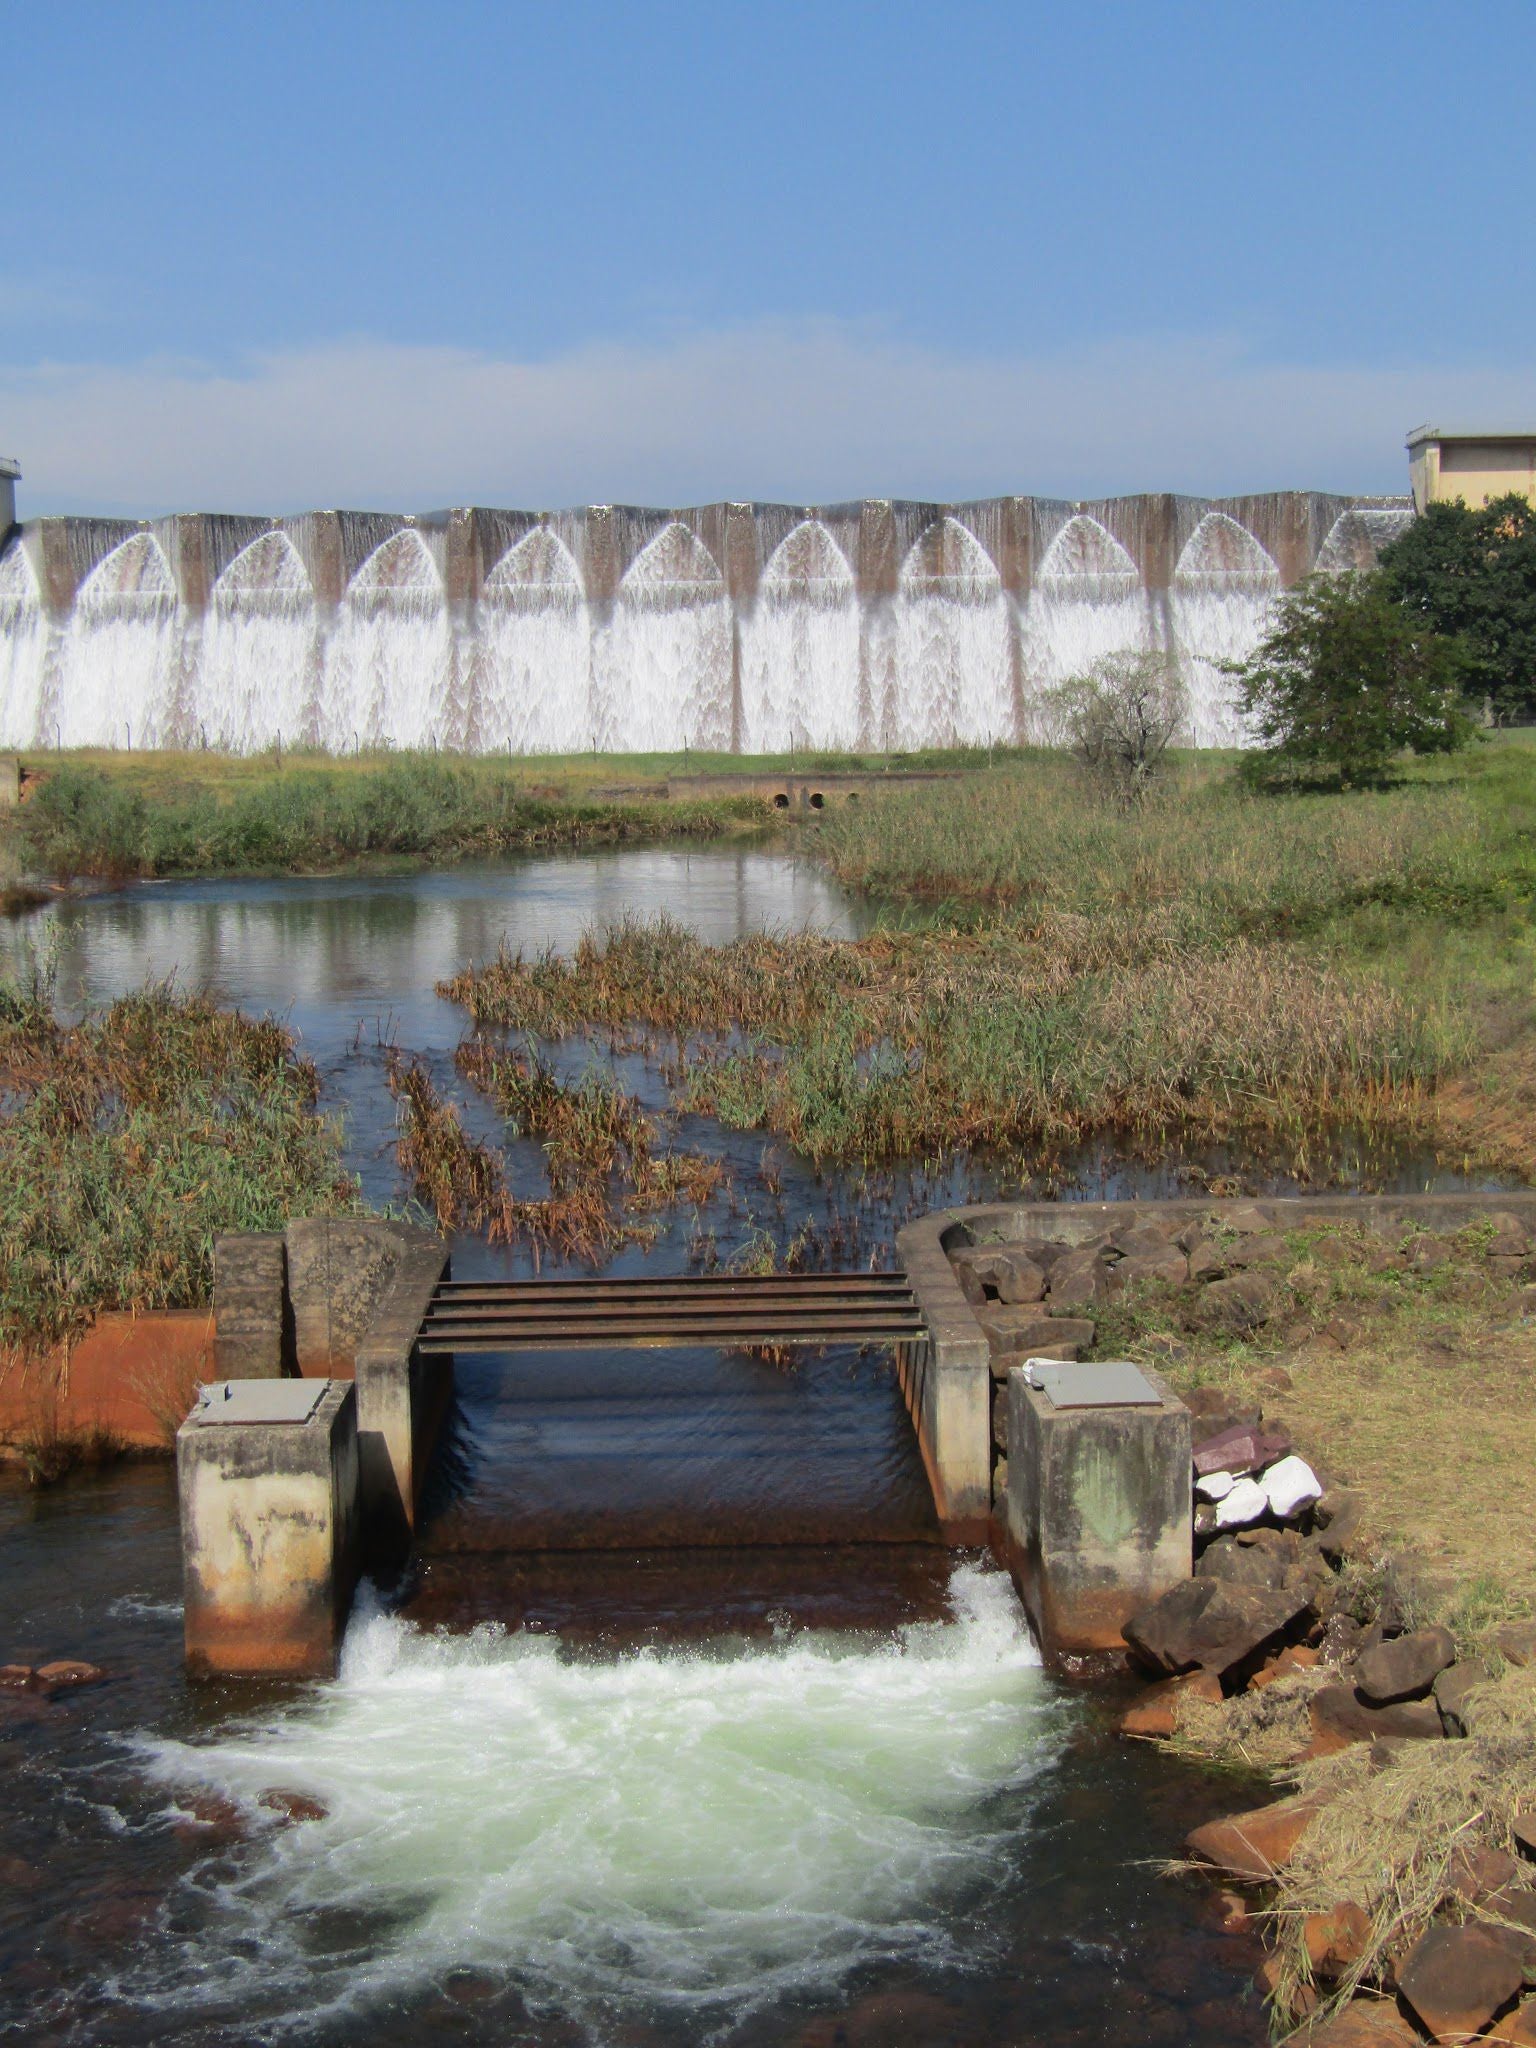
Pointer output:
x,y
1121,717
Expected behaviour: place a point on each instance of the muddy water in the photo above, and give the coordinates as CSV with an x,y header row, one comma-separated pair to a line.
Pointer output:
x,y
685,1729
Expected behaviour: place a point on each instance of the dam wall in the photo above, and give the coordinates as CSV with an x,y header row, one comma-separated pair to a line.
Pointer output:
x,y
731,627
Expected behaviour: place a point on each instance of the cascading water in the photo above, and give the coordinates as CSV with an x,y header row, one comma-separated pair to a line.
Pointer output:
x,y
952,669
1356,538
119,664
1223,590
535,656
662,665
23,651
800,649
913,626
257,680
684,1831
389,663
1087,603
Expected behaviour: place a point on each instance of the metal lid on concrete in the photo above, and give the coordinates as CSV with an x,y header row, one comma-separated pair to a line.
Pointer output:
x,y
1102,1383
262,1401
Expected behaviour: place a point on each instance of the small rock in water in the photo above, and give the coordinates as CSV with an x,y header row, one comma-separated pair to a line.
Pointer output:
x,y
16,1677
293,1806
70,1671
1290,1485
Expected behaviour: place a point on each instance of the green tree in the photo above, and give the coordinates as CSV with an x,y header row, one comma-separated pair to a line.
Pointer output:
x,y
1345,680
1472,573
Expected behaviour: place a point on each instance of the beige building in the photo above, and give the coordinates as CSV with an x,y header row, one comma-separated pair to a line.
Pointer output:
x,y
1473,464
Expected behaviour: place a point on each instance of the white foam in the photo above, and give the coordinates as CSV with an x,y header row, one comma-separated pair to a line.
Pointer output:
x,y
666,1829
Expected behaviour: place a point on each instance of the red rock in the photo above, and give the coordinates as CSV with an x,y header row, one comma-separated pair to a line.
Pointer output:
x,y
1337,1938
1516,1642
1294,1657
1237,1305
206,1816
1509,1914
1474,1872
1155,1716
1366,2023
1208,1623
293,1806
1251,1847
1304,1999
1339,1717
1516,2029
1405,1667
1239,1450
1456,1979
70,1671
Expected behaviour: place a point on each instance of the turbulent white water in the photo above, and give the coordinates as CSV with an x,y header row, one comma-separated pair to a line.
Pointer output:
x,y
660,1830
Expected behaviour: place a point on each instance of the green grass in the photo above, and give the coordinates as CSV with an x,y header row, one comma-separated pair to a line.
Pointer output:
x,y
159,815
1454,838
131,1140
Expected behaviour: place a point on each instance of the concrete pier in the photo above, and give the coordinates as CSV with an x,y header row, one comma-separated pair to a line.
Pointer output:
x,y
267,1472
1097,1508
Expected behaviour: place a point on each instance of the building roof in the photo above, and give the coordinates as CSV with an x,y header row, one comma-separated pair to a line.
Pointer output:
x,y
9,466
1420,435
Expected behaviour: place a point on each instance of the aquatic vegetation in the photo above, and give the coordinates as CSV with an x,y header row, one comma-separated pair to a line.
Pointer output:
x,y
919,1043
603,1160
130,1140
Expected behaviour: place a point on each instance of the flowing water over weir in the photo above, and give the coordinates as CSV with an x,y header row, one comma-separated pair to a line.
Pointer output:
x,y
756,628
684,1728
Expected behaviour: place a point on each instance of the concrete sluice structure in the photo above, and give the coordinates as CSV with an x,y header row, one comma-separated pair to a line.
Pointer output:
x,y
749,628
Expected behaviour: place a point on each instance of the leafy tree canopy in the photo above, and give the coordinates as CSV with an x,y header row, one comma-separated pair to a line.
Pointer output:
x,y
1346,679
1472,573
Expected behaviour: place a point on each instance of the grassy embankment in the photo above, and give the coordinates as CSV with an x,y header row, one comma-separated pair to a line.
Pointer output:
x,y
116,816
131,1140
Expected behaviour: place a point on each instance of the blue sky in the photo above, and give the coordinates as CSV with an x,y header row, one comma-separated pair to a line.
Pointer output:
x,y
263,257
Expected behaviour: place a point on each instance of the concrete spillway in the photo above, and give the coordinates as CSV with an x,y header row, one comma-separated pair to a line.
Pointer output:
x,y
747,627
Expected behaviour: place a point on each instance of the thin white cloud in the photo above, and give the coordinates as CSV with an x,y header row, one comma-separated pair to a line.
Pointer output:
x,y
805,412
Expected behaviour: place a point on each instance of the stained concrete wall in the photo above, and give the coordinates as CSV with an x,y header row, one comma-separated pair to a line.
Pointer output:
x,y
270,1539
1097,1511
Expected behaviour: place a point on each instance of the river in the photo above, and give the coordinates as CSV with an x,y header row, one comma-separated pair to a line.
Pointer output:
x,y
686,1727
